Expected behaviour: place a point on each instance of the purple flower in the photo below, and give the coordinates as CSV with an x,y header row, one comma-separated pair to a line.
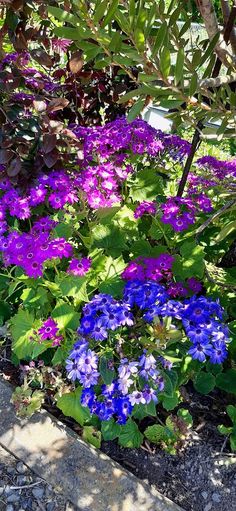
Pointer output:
x,y
137,398
48,330
145,208
79,267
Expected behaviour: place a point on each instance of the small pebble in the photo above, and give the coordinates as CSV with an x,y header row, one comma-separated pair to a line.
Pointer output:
x,y
21,480
1,490
204,494
13,497
50,506
21,468
9,507
10,470
208,506
38,492
216,497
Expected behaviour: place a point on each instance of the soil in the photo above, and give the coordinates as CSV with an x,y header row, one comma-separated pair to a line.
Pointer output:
x,y
201,477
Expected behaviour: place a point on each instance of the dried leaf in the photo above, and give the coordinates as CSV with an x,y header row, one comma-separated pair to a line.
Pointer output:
x,y
76,62
57,104
42,57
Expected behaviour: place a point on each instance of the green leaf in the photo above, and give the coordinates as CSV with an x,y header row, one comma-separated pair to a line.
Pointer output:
x,y
204,382
227,229
165,62
106,373
92,436
99,11
186,416
110,276
65,315
161,34
155,433
193,85
108,237
75,287
191,263
233,441
70,405
140,411
220,275
110,12
60,356
146,185
67,33
62,15
23,325
130,435
135,110
231,411
110,430
223,430
210,48
169,403
179,66
227,381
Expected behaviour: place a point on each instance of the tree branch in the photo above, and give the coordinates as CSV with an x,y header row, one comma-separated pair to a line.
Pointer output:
x,y
207,11
226,13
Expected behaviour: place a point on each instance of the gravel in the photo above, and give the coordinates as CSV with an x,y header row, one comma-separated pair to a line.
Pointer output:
x,y
35,494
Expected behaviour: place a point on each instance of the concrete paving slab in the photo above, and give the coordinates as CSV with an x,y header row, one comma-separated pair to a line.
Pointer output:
x,y
89,478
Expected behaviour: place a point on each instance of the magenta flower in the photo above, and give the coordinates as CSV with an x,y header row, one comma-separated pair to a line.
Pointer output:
x,y
79,267
48,330
145,208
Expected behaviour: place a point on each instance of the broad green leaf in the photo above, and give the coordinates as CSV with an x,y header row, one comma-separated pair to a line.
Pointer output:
x,y
145,185
76,287
65,315
108,237
110,430
204,382
169,403
221,276
130,435
186,416
227,381
231,411
23,325
140,411
70,405
155,433
92,436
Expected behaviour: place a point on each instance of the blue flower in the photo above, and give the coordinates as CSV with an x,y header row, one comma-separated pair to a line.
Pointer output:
x,y
87,324
123,409
88,397
218,353
198,334
199,351
99,333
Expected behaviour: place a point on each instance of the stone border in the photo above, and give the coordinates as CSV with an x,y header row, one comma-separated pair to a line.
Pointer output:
x,y
87,477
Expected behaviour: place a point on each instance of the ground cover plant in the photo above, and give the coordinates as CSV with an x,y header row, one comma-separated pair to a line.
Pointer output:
x,y
114,287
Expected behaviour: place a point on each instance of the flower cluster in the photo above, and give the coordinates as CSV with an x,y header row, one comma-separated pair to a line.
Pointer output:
x,y
104,313
119,136
145,208
154,268
118,398
219,169
138,379
180,212
78,267
19,248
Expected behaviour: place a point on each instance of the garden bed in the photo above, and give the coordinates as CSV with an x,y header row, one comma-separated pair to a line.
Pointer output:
x,y
200,477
